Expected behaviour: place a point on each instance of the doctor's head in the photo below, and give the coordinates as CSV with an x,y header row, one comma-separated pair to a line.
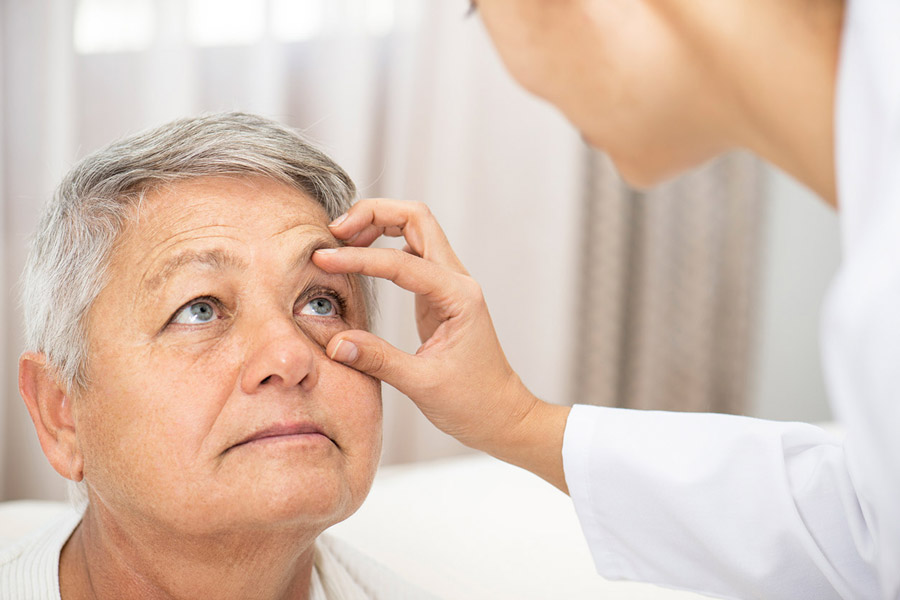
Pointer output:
x,y
634,76
176,326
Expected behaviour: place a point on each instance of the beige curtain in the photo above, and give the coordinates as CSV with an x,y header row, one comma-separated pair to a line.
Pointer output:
x,y
668,289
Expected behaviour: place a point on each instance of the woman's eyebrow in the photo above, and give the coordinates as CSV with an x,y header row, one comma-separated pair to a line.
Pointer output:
x,y
220,259
216,258
304,256
305,253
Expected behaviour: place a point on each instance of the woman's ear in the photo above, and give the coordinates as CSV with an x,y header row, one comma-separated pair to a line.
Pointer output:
x,y
50,408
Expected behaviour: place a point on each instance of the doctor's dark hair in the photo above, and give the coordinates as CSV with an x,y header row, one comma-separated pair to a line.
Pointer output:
x,y
66,266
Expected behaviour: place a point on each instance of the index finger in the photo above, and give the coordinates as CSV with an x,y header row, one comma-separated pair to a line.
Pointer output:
x,y
412,273
371,218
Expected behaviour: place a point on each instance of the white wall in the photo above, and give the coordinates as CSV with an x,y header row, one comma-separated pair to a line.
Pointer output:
x,y
801,253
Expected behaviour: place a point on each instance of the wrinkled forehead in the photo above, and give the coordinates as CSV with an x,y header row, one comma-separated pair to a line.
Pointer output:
x,y
215,201
224,220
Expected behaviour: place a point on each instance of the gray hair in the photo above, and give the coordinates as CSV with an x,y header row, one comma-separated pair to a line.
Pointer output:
x,y
66,266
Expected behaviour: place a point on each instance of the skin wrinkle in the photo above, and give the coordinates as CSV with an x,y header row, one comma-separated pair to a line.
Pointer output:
x,y
167,270
219,258
183,235
215,259
145,581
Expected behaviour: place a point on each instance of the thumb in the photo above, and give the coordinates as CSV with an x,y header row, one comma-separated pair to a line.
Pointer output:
x,y
372,355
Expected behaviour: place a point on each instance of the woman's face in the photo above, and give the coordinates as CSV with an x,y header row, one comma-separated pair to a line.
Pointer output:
x,y
211,405
620,72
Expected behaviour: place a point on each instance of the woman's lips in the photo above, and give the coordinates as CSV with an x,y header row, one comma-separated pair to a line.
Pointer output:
x,y
287,430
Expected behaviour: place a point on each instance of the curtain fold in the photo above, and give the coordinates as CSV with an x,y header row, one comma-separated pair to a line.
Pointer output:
x,y
668,289
5,371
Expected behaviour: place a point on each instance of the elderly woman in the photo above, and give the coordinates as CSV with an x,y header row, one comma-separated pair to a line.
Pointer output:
x,y
175,368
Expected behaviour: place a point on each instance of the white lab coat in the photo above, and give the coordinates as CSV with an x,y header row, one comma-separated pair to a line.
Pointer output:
x,y
744,508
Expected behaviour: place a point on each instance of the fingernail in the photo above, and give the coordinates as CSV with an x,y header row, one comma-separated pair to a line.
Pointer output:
x,y
326,251
345,352
339,220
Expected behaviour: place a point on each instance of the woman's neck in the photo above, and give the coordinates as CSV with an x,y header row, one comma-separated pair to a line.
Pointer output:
x,y
106,558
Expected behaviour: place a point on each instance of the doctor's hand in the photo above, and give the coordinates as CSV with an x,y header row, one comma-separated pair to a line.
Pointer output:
x,y
459,377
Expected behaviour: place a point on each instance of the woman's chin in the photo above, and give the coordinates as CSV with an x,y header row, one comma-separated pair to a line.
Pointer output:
x,y
307,506
319,506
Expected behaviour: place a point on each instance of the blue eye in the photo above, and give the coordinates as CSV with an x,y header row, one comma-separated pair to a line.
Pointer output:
x,y
196,312
319,307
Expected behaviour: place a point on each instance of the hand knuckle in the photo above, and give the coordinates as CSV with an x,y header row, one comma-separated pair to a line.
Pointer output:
x,y
422,209
378,361
476,293
397,255
472,289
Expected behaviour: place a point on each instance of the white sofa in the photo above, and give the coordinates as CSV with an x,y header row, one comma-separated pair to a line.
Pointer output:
x,y
466,528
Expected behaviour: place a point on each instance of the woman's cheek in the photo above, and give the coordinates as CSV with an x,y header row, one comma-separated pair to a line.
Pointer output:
x,y
368,399
360,400
196,353
320,331
190,383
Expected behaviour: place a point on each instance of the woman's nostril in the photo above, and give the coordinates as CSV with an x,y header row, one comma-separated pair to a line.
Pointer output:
x,y
266,380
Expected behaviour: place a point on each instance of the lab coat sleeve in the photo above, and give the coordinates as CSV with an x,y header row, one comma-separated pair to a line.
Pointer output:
x,y
725,505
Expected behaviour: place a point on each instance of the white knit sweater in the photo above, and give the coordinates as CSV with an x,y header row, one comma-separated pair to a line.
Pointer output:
x,y
29,569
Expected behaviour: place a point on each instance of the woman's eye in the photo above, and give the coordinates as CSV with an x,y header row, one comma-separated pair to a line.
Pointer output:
x,y
197,312
319,307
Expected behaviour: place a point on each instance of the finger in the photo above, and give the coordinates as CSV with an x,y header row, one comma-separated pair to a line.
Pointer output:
x,y
370,233
366,236
392,217
372,355
389,216
410,272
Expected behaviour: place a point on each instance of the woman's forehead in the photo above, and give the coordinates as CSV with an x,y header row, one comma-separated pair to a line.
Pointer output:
x,y
196,207
212,217
211,200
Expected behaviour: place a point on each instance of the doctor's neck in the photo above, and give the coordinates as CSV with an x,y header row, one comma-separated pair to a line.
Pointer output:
x,y
775,62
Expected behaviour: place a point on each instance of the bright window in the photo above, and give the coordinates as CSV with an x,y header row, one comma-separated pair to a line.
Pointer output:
x,y
226,22
114,25
133,25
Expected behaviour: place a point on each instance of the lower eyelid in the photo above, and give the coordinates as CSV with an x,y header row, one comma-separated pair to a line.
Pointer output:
x,y
337,315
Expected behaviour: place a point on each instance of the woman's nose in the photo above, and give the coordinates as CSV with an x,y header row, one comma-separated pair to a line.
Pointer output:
x,y
279,355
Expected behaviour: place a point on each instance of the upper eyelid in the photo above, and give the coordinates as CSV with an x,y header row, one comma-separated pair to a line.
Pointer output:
x,y
217,304
341,302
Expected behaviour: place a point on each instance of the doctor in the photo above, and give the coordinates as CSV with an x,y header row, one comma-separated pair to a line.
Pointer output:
x,y
731,506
